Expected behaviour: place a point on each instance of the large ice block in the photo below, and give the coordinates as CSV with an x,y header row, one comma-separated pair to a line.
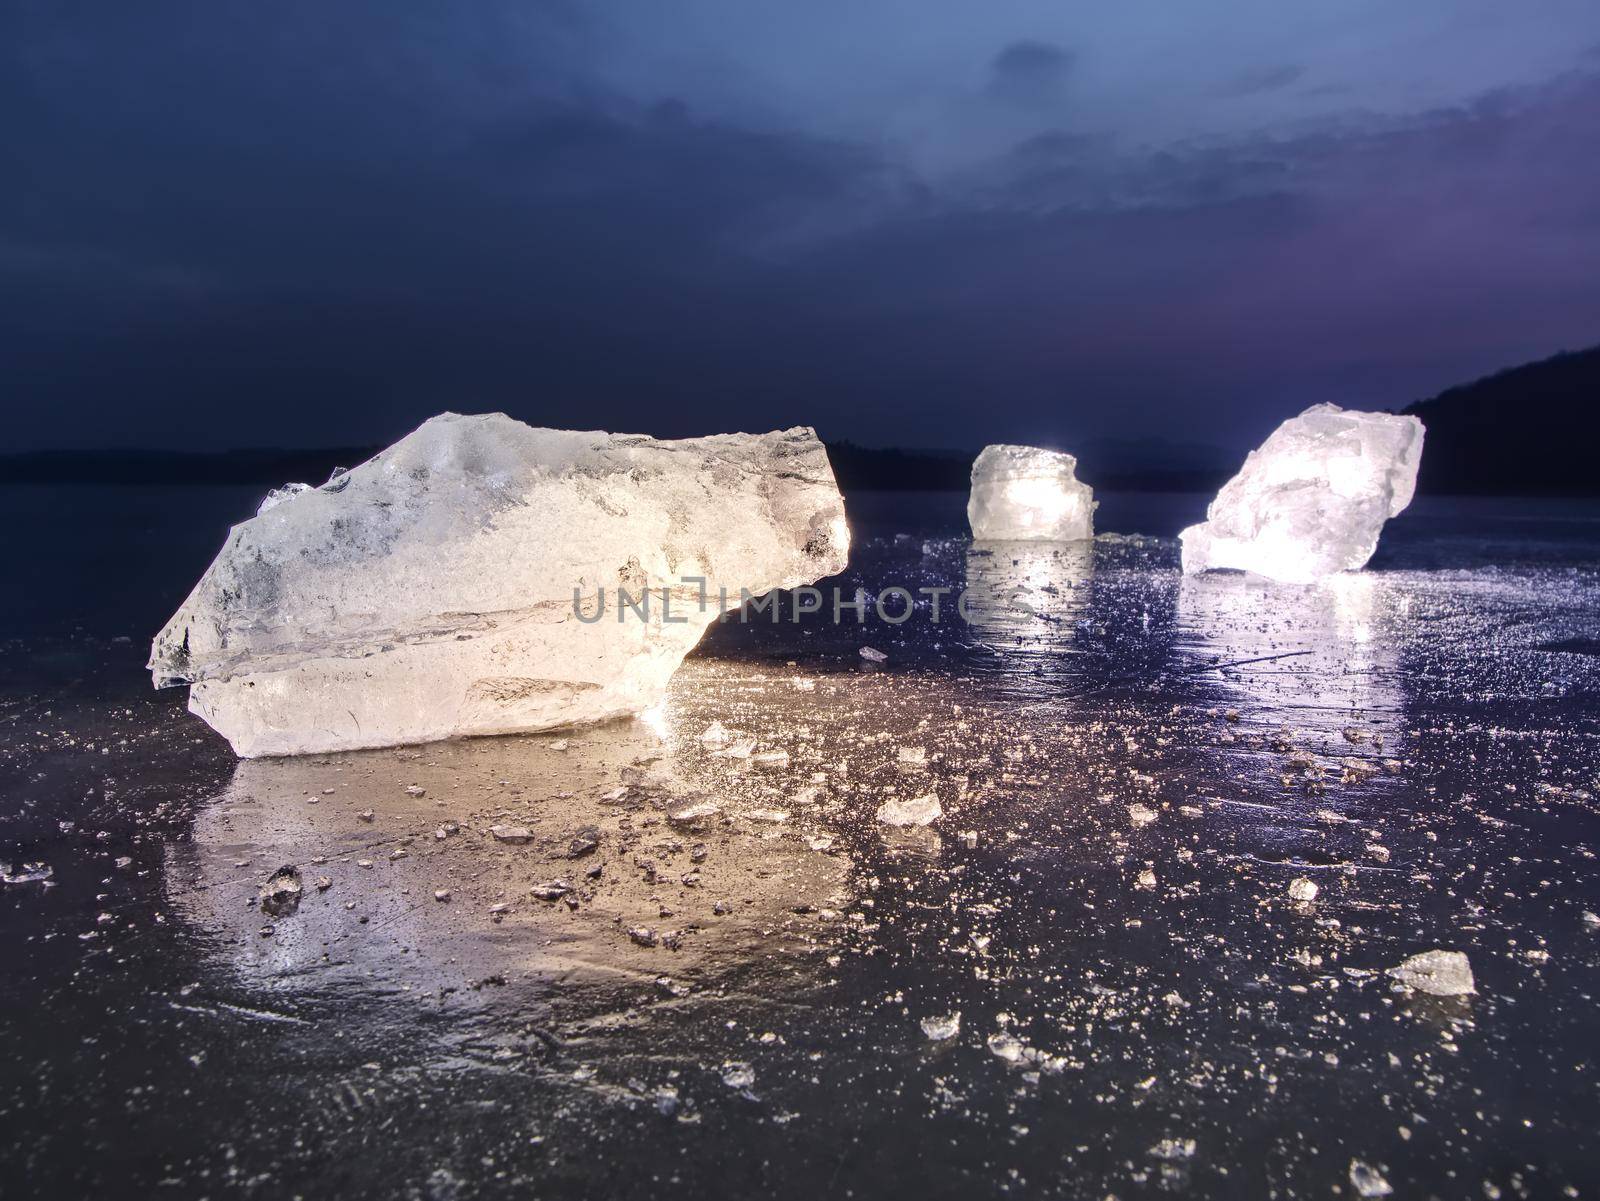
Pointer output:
x,y
1022,493
451,585
1312,499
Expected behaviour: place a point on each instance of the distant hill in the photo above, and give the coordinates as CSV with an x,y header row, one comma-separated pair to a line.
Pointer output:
x,y
865,469
1530,431
1112,464
268,466
1135,465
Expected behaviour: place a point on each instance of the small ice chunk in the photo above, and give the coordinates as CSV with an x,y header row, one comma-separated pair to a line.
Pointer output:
x,y
1301,889
942,1027
1441,973
716,734
873,655
1368,1181
920,811
1173,1149
912,756
1007,1047
27,873
1013,1050
1022,493
1141,815
693,813
280,895
1312,499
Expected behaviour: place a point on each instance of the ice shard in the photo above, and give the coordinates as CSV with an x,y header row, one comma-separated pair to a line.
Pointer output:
x,y
482,576
1312,499
1022,493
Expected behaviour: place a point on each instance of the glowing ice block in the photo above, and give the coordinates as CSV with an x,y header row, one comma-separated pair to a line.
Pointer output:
x,y
1312,499
452,585
1022,493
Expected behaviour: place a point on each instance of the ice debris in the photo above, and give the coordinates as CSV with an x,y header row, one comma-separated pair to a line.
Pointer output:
x,y
942,1027
1441,973
1368,1181
280,895
1312,499
1173,1149
920,811
27,873
1013,1050
1022,493
716,734
470,579
692,813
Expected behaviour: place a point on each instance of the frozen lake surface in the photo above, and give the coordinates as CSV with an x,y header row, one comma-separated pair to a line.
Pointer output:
x,y
633,962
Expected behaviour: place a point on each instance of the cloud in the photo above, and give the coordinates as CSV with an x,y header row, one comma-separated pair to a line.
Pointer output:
x,y
1030,73
367,221
1261,79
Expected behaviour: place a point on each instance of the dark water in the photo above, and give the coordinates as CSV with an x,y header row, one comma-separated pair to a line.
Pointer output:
x,y
1132,769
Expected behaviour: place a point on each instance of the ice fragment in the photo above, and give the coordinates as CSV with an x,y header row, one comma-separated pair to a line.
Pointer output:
x,y
453,584
1441,973
919,811
1022,493
1310,500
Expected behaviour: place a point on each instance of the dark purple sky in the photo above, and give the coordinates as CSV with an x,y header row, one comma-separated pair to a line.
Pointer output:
x,y
918,222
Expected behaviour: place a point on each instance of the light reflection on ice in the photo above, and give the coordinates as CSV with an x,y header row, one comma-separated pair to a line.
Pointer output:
x,y
1318,656
1030,595
418,893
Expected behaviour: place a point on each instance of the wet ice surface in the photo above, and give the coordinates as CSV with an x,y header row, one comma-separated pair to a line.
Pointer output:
x,y
1132,768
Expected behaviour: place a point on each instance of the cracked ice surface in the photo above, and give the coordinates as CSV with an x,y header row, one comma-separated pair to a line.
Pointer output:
x,y
1312,499
430,592
1022,493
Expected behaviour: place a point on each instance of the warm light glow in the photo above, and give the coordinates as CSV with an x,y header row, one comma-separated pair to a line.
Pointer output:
x,y
839,532
1044,501
656,719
